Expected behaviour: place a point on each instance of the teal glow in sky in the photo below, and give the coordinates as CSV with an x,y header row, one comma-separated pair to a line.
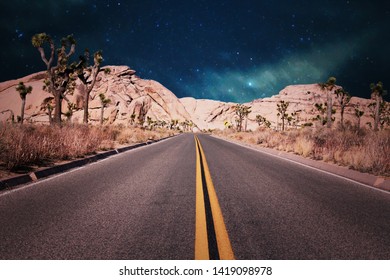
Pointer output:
x,y
225,50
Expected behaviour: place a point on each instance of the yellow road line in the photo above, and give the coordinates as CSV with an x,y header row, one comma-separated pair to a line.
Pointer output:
x,y
223,242
201,243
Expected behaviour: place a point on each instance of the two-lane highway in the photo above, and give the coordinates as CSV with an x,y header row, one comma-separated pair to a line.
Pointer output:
x,y
142,205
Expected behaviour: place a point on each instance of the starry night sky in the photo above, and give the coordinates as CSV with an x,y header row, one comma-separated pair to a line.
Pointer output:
x,y
225,50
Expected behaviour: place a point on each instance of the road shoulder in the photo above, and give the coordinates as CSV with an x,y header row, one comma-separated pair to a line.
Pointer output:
x,y
60,167
377,182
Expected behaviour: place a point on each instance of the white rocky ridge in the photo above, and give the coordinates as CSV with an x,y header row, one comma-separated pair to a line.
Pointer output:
x,y
130,94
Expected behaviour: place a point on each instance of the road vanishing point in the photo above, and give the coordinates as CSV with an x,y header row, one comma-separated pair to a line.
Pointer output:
x,y
194,197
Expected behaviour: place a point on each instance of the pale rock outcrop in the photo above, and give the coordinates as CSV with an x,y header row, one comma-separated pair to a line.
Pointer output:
x,y
128,94
302,99
210,114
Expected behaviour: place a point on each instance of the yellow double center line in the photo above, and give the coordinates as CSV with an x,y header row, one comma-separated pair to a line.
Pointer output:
x,y
211,237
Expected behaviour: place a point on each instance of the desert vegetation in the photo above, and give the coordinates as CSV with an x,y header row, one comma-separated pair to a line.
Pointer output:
x,y
242,113
366,149
32,145
61,78
23,91
39,145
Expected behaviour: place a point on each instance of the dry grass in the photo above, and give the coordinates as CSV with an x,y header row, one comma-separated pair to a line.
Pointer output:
x,y
30,145
365,151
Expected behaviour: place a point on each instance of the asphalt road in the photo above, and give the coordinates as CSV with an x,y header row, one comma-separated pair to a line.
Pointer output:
x,y
141,205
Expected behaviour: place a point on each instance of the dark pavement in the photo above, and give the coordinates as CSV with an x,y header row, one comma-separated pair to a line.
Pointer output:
x,y
141,205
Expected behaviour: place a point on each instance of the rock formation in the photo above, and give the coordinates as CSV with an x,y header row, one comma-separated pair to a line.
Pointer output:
x,y
302,100
131,95
210,114
128,94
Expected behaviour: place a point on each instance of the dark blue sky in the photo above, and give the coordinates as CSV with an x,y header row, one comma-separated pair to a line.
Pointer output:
x,y
226,50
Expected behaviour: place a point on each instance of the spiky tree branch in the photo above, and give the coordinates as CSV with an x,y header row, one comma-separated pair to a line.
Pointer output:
x,y
38,40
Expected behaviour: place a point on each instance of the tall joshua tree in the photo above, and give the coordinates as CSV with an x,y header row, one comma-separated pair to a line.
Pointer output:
x,y
282,109
377,93
329,87
343,98
60,78
241,112
23,91
87,75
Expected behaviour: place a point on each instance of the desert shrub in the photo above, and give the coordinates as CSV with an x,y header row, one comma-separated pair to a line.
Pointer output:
x,y
363,150
38,144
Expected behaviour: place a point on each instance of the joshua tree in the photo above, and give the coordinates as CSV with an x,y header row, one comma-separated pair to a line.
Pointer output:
x,y
384,113
104,102
150,122
358,113
87,75
190,125
377,93
60,78
71,108
242,112
343,98
262,120
329,87
282,109
295,117
322,108
23,91
186,125
173,124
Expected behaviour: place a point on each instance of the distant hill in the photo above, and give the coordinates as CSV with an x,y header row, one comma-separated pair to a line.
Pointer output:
x,y
209,114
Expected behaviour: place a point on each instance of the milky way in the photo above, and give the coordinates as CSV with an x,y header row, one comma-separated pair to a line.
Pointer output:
x,y
225,50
